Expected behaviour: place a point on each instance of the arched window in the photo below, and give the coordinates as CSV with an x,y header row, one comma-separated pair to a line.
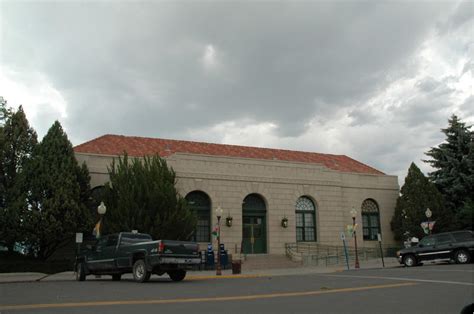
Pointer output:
x,y
200,203
370,219
305,220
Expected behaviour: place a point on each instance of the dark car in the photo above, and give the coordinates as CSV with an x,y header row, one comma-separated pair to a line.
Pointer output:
x,y
457,246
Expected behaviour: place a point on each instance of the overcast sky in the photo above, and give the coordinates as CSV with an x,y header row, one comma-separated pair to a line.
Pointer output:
x,y
372,80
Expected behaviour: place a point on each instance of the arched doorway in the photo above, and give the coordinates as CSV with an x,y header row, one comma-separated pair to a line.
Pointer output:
x,y
254,233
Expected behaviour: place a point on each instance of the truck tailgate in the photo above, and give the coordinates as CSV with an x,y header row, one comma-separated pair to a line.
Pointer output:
x,y
182,248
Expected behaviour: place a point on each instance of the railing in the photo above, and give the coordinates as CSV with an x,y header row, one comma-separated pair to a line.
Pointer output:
x,y
316,254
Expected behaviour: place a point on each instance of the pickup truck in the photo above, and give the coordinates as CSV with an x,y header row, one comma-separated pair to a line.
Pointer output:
x,y
136,253
457,246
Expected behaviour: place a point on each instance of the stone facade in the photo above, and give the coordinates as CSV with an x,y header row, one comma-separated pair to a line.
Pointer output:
x,y
228,180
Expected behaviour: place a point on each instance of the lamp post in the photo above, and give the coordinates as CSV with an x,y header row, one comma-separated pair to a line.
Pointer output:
x,y
428,214
101,209
354,214
218,266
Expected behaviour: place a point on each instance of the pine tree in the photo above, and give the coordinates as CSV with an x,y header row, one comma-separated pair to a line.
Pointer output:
x,y
17,144
416,195
141,195
57,189
453,162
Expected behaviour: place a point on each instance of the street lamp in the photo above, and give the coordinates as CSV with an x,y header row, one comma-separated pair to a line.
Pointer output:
x,y
219,212
101,209
354,214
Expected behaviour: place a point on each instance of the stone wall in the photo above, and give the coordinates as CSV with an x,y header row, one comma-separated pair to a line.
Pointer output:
x,y
229,180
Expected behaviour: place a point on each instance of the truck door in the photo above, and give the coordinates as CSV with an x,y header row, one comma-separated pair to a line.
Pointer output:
x,y
94,259
108,253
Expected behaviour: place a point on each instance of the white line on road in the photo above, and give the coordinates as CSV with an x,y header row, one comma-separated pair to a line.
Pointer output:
x,y
407,279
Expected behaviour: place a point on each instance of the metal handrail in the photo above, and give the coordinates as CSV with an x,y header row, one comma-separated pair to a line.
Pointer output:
x,y
322,254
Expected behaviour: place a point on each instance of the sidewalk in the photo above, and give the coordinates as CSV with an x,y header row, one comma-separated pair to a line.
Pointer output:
x,y
206,274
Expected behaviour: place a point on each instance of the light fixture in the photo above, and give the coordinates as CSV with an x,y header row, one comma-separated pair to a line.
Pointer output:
x,y
101,209
353,212
284,222
228,221
219,212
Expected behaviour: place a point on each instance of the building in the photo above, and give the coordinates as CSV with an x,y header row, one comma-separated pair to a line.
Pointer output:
x,y
269,197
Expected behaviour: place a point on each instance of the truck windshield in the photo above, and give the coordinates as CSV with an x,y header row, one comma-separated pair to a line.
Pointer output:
x,y
134,238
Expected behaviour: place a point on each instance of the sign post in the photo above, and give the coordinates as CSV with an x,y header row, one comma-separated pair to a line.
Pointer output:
x,y
343,238
78,241
379,238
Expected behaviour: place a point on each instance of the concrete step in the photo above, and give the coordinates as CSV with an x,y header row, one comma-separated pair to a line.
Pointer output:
x,y
268,261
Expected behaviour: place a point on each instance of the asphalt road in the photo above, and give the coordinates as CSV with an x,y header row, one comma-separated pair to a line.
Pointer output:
x,y
426,289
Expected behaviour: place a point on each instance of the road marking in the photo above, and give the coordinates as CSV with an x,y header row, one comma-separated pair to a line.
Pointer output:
x,y
224,277
443,270
407,279
208,299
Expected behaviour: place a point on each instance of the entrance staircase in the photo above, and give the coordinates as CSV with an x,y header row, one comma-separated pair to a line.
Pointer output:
x,y
267,261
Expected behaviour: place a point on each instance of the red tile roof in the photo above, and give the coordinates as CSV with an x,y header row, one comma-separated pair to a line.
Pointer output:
x,y
141,146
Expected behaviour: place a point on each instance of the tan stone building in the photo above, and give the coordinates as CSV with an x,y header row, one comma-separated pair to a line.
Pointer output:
x,y
273,196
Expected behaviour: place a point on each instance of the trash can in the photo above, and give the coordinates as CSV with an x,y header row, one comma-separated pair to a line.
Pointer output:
x,y
236,267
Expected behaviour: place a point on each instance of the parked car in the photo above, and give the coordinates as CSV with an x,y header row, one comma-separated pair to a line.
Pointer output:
x,y
457,246
137,253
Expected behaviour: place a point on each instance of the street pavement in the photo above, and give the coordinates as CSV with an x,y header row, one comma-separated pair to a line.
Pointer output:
x,y
67,276
442,288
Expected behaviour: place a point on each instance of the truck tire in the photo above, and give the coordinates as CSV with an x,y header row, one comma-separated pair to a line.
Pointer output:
x,y
461,257
80,271
177,275
116,277
140,273
409,260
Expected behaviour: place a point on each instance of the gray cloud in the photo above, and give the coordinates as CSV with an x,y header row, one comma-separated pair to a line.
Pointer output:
x,y
315,70
136,68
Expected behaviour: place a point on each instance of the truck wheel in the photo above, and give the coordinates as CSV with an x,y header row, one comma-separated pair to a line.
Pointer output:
x,y
177,275
140,274
461,257
116,277
80,272
409,260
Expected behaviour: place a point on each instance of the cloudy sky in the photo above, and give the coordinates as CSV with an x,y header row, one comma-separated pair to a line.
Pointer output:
x,y
372,80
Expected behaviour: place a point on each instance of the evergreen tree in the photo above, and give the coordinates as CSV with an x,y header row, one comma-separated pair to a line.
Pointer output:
x,y
453,162
416,195
57,189
17,144
141,195
5,113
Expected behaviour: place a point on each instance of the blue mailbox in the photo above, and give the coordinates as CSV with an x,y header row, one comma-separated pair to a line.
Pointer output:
x,y
210,256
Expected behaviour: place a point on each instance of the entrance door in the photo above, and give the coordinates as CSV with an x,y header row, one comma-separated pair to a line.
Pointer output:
x,y
254,239
254,234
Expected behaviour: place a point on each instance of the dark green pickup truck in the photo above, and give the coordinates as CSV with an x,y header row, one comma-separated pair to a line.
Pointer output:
x,y
137,253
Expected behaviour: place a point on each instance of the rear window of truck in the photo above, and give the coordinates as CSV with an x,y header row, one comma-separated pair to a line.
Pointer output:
x,y
134,238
